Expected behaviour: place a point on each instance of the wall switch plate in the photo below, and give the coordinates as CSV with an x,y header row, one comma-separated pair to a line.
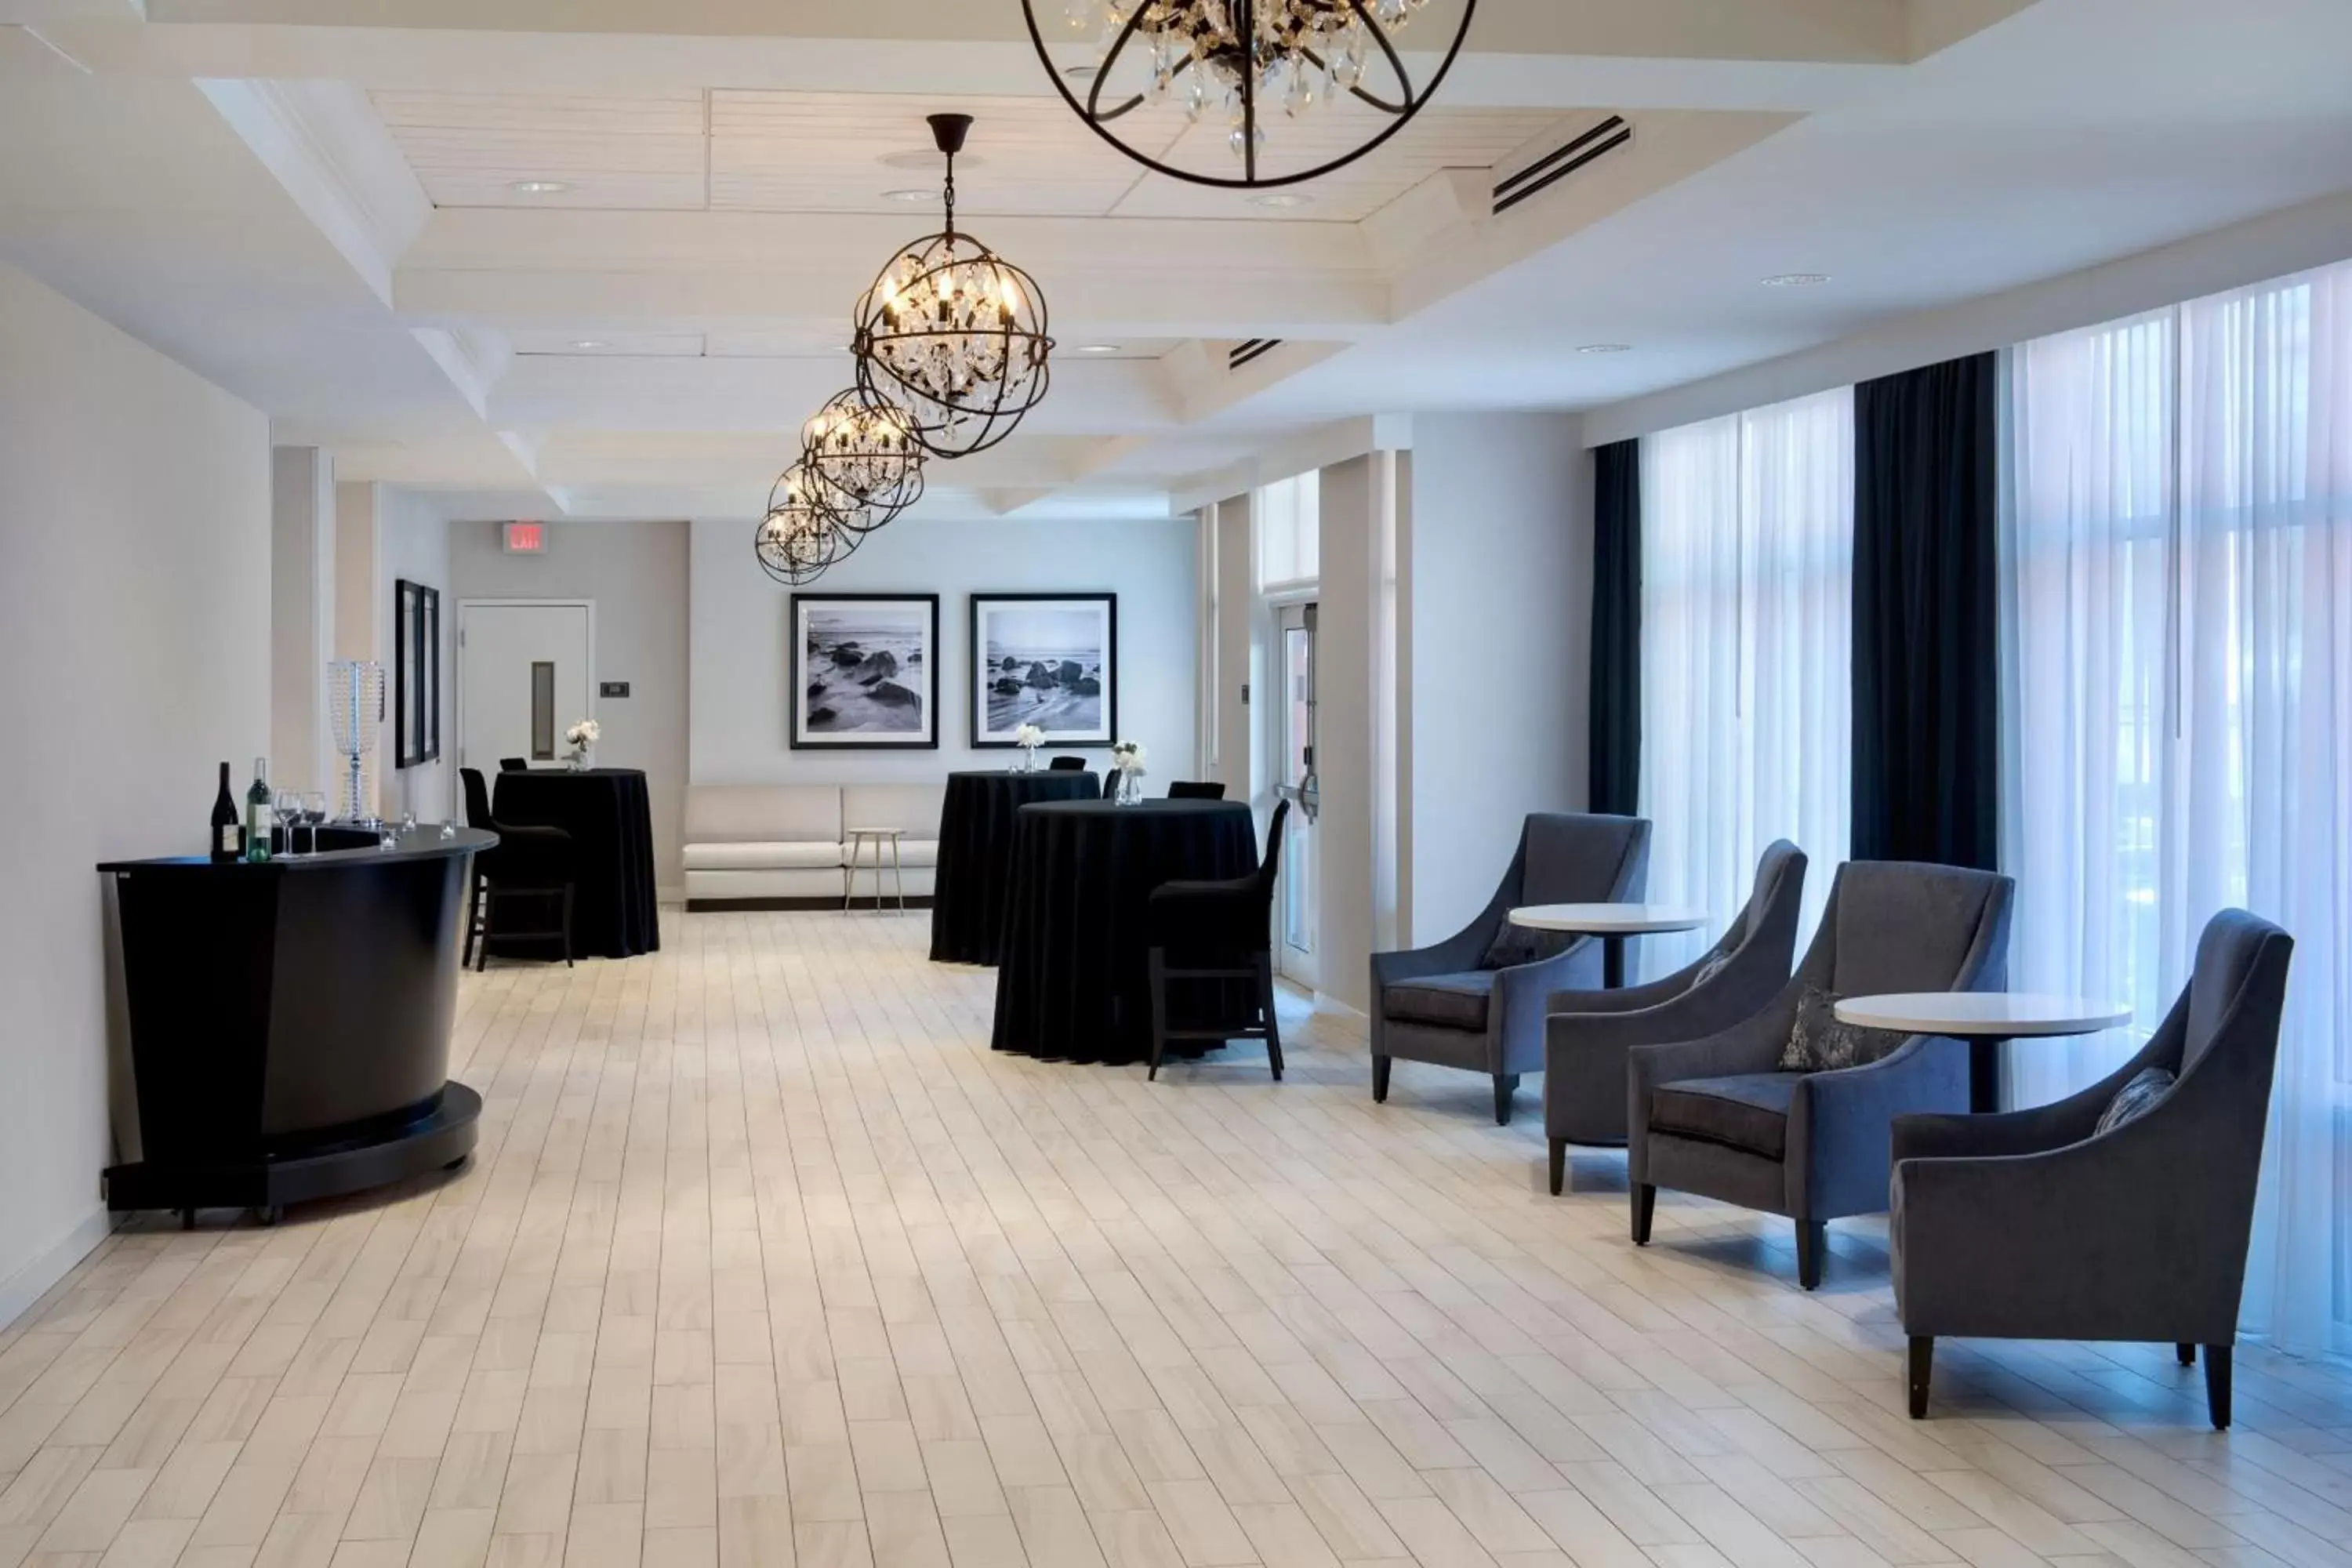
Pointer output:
x,y
612,688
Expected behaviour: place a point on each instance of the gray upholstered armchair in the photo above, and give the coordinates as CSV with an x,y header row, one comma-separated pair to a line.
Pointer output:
x,y
1716,1116
1463,1004
1588,1033
2034,1224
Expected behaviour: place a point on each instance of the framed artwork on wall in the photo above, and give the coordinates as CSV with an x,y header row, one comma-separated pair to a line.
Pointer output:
x,y
1047,659
417,674
865,671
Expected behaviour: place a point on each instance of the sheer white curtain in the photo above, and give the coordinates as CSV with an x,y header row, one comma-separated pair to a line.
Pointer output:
x,y
2177,639
1746,665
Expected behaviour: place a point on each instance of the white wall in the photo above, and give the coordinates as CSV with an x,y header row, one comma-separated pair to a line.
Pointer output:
x,y
1346,665
134,657
1500,578
301,615
411,542
740,642
636,574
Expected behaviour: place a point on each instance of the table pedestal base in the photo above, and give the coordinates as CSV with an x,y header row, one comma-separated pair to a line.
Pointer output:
x,y
1984,1073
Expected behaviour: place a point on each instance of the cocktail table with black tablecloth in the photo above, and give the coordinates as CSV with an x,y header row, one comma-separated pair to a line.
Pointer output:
x,y
969,887
606,811
1073,981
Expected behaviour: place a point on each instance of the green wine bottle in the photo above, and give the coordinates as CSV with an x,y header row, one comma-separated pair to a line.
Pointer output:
x,y
256,813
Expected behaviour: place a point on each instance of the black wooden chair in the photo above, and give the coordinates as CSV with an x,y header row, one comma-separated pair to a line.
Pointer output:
x,y
513,765
532,864
1218,933
1195,789
1067,765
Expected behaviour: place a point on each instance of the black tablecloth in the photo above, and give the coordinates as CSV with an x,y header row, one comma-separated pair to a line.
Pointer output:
x,y
969,887
611,822
1072,981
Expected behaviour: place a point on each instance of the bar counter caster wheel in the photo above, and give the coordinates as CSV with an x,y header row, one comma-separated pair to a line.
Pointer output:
x,y
187,1219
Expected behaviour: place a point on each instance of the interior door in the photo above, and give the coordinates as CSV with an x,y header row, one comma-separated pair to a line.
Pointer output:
x,y
522,680
1295,903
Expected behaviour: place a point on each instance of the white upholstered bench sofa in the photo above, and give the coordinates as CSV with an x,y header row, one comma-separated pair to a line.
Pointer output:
x,y
788,845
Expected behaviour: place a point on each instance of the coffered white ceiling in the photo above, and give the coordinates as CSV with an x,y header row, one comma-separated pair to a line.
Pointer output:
x,y
597,257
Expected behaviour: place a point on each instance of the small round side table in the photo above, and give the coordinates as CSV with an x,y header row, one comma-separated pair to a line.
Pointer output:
x,y
859,837
1611,922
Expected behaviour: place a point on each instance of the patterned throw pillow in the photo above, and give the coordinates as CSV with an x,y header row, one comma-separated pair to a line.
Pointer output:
x,y
1516,945
1818,1043
2146,1090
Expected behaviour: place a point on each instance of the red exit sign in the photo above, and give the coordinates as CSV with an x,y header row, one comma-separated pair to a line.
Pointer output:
x,y
526,538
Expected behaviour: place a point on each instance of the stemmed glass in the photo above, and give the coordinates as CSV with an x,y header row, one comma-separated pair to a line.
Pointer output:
x,y
286,807
314,812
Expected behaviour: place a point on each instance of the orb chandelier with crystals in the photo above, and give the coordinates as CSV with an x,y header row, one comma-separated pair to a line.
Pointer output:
x,y
862,459
1239,65
953,334
800,537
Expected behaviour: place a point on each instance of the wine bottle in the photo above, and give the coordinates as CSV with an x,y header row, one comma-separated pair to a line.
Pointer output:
x,y
225,843
256,813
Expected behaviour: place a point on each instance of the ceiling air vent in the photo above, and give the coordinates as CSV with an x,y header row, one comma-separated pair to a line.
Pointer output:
x,y
1256,349
1561,161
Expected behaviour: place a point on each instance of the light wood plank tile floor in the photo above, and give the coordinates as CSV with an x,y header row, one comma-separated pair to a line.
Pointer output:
x,y
766,1259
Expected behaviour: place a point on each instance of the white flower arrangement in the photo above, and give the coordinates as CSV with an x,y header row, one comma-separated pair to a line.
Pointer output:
x,y
586,733
1127,756
1029,737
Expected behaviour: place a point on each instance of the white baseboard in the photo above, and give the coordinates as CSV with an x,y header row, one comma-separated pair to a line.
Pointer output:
x,y
30,1282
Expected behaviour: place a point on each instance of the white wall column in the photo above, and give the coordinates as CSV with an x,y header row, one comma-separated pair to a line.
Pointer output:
x,y
1500,580
302,592
1346,662
1237,628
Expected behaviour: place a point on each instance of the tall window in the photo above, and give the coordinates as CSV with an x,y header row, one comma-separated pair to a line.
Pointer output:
x,y
2177,568
1747,665
1289,532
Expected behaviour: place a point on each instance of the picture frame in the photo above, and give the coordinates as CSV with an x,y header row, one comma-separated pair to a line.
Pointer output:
x,y
864,671
417,674
1048,659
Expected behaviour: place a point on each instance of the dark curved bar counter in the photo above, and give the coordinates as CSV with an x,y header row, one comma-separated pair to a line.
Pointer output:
x,y
289,1022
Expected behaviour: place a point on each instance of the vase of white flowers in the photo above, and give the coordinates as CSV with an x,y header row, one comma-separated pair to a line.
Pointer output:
x,y
1127,756
584,737
1028,738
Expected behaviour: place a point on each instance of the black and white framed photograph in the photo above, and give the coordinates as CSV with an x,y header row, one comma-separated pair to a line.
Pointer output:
x,y
1047,659
865,671
417,674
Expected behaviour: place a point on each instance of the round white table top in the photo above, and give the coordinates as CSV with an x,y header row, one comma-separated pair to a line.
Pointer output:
x,y
2006,1014
1608,920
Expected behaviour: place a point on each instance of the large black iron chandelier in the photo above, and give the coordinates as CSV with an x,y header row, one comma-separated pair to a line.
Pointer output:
x,y
1242,60
800,537
952,333
861,459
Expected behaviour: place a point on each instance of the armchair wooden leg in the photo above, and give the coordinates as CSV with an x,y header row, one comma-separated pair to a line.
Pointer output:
x,y
2188,1354
1265,1003
1380,1080
1812,1240
1506,1085
1645,1208
1158,967
1558,1165
1922,1362
2217,1385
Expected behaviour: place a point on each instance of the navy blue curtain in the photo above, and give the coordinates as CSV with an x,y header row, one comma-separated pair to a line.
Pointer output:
x,y
1615,759
1926,769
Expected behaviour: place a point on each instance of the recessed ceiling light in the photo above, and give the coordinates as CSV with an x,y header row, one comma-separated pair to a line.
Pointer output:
x,y
585,343
1098,348
537,187
1605,348
1796,279
1280,199
910,193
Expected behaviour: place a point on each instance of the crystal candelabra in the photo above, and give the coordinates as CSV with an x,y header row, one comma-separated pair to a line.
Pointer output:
x,y
355,705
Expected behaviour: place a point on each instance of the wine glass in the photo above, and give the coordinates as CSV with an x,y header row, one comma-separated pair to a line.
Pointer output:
x,y
287,807
314,812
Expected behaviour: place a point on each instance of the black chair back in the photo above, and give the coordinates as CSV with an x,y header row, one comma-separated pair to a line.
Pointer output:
x,y
478,799
512,766
1067,765
1110,783
1195,789
1269,865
